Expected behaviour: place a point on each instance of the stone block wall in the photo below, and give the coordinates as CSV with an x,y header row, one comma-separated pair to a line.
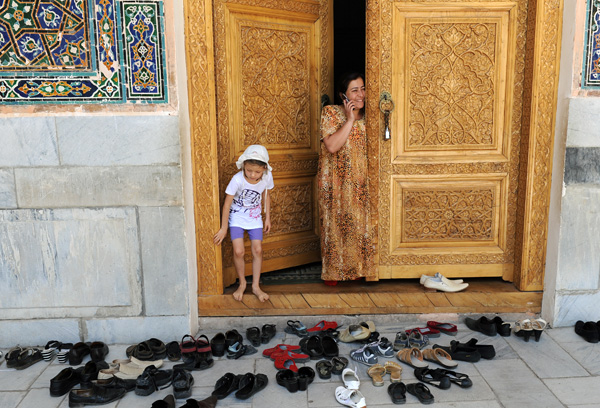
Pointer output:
x,y
92,242
577,292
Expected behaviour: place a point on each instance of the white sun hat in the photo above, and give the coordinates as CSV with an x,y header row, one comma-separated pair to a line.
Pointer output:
x,y
254,152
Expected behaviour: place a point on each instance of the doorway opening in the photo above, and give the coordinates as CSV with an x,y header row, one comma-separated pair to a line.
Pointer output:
x,y
349,34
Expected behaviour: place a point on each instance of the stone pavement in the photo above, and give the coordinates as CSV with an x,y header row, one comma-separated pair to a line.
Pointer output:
x,y
561,370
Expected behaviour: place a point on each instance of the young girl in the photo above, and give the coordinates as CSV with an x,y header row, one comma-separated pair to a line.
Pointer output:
x,y
242,208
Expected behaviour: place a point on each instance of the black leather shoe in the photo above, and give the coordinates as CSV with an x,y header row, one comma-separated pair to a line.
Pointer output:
x,y
502,328
587,330
482,325
64,381
166,402
95,396
98,351
182,383
90,372
78,352
115,382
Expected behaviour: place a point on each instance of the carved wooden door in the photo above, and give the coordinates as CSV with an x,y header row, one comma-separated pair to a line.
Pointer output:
x,y
447,180
271,68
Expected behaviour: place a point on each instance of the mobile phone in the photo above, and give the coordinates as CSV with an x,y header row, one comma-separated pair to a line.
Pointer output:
x,y
345,97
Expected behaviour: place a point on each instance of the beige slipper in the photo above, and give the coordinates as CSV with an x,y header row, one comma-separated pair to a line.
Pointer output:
x,y
395,371
440,357
376,372
354,332
413,357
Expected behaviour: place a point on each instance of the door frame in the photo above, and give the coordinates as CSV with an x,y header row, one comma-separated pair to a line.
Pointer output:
x,y
538,123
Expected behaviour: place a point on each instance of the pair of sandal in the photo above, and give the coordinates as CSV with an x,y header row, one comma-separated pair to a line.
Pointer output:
x,y
442,378
377,371
245,385
55,347
398,391
149,350
318,347
469,351
295,381
410,339
23,357
336,366
256,337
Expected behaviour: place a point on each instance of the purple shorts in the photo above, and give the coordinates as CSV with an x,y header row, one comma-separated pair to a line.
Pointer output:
x,y
238,232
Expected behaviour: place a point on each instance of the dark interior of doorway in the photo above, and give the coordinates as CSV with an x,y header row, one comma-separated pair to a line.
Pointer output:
x,y
349,33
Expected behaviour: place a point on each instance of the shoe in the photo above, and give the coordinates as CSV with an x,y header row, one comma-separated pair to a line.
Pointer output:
x,y
141,351
12,356
462,380
133,368
417,340
330,346
27,357
250,384
306,375
440,276
267,333
114,382
401,341
323,325
382,348
280,348
397,392
376,372
395,371
364,355
538,328
350,397
98,351
312,347
440,357
433,377
217,344
446,328
166,402
196,361
502,328
78,352
482,325
182,383
151,380
96,395
524,329
287,379
253,336
49,350
297,357
64,381
173,351
461,352
426,331
413,357
62,354
350,379
225,385
324,369
339,364
90,372
486,351
588,330
286,363
210,402
444,285
354,332
420,391
296,327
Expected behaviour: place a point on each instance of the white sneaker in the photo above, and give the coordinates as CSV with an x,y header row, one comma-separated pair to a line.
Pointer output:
x,y
444,285
439,276
350,398
350,379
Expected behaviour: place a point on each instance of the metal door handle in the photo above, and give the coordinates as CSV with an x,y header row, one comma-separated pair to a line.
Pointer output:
x,y
386,106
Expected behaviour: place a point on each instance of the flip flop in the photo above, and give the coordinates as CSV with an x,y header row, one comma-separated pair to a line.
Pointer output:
x,y
413,357
324,369
395,371
296,327
397,392
376,372
420,391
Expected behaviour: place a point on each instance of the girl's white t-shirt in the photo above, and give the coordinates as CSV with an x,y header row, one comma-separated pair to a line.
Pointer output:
x,y
246,207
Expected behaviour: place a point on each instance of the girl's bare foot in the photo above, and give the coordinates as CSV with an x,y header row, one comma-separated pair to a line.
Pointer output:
x,y
239,293
262,296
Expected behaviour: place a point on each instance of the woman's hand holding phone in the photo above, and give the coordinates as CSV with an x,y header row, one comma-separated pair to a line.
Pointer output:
x,y
349,107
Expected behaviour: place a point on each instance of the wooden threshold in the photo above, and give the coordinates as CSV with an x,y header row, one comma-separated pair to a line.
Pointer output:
x,y
484,295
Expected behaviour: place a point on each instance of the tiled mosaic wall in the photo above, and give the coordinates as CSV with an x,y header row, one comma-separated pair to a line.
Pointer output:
x,y
77,51
591,65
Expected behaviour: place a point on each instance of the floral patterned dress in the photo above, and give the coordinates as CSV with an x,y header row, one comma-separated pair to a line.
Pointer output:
x,y
347,246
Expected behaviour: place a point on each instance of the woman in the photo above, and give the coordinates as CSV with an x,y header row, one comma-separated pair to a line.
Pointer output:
x,y
346,239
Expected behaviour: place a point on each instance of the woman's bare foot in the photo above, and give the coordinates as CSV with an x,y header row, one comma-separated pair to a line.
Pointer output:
x,y
262,296
239,293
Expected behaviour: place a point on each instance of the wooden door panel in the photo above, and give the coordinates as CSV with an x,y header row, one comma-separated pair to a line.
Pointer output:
x,y
269,70
448,177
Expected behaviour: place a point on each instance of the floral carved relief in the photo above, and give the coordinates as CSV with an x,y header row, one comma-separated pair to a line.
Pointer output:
x,y
451,90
